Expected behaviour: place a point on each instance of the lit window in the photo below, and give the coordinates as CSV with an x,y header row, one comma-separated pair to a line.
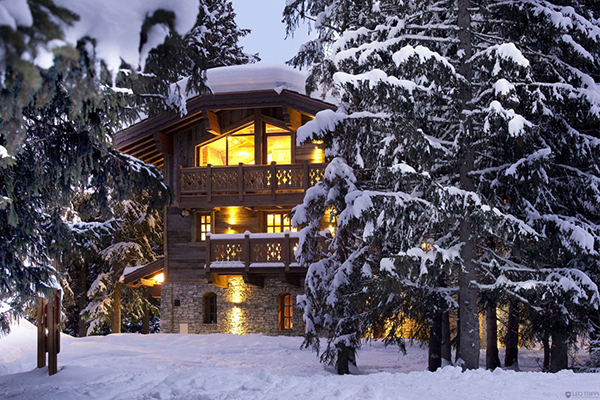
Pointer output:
x,y
279,222
230,150
210,308
279,145
285,311
203,226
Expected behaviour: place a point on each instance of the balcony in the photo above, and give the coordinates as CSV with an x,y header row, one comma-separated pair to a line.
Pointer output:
x,y
247,185
253,255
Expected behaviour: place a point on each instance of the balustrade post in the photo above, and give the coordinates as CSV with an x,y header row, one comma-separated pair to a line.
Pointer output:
x,y
208,253
246,251
305,177
209,183
240,182
273,180
180,184
286,251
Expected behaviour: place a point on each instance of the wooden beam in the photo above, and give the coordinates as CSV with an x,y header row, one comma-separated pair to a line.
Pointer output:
x,y
252,279
286,116
164,143
295,118
212,124
289,279
218,280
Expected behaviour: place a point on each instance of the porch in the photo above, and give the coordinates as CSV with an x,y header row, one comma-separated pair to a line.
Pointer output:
x,y
254,256
248,185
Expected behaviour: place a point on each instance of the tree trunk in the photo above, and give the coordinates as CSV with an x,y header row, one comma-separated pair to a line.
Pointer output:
x,y
511,358
116,317
446,341
435,342
492,360
546,343
469,344
345,356
82,302
559,358
457,338
146,316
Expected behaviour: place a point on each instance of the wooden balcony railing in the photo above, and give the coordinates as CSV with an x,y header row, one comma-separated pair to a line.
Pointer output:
x,y
242,180
251,250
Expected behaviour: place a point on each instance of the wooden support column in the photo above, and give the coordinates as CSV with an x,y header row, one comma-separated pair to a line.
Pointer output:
x,y
273,180
285,250
246,252
305,176
41,330
209,183
146,316
53,338
116,317
240,182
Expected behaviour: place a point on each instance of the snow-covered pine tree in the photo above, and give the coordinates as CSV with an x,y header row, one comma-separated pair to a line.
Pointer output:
x,y
136,240
455,137
178,66
62,97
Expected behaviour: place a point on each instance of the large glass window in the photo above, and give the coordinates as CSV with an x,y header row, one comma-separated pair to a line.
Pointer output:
x,y
279,145
285,311
229,150
279,222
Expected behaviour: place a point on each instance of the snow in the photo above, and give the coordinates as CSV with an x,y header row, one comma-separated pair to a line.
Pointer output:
x,y
260,76
116,29
114,26
130,366
15,13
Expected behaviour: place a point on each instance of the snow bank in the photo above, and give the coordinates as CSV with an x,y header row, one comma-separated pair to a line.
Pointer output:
x,y
129,366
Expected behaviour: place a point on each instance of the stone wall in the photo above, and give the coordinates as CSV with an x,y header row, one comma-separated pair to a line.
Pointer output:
x,y
241,308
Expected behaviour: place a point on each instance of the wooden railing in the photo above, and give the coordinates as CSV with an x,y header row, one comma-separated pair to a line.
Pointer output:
x,y
251,250
242,179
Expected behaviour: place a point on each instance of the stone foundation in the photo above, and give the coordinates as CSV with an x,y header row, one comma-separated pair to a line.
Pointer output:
x,y
241,308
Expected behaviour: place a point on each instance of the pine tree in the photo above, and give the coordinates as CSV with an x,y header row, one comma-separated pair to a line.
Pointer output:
x,y
57,119
455,115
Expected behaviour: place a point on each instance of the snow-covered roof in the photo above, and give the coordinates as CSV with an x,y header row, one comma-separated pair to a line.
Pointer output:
x,y
253,77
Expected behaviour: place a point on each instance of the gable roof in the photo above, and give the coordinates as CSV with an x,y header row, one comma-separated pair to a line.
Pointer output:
x,y
234,87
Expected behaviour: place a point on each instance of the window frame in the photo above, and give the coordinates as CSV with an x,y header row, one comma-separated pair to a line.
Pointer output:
x,y
286,322
209,305
284,215
198,147
198,224
288,132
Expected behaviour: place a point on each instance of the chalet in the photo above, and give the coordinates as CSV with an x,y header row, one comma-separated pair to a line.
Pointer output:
x,y
236,172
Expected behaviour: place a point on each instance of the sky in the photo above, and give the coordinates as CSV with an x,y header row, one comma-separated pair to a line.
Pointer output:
x,y
263,17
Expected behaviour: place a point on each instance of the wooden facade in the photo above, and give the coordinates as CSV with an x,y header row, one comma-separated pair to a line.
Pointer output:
x,y
230,219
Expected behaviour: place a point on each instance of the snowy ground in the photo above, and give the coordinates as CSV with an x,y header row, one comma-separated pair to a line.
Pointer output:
x,y
129,366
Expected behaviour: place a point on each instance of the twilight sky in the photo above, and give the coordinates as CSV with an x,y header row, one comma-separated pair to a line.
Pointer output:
x,y
263,17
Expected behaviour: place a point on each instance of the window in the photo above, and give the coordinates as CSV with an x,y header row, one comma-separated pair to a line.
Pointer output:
x,y
279,222
285,311
279,145
210,308
228,150
203,226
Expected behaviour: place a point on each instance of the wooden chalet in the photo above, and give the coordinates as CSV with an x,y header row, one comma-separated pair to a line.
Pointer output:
x,y
236,171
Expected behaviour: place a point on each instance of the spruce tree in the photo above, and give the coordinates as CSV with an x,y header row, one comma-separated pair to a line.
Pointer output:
x,y
456,119
57,119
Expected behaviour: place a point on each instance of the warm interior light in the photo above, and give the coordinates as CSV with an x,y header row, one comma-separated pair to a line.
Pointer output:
x,y
427,245
236,321
279,149
236,292
160,278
